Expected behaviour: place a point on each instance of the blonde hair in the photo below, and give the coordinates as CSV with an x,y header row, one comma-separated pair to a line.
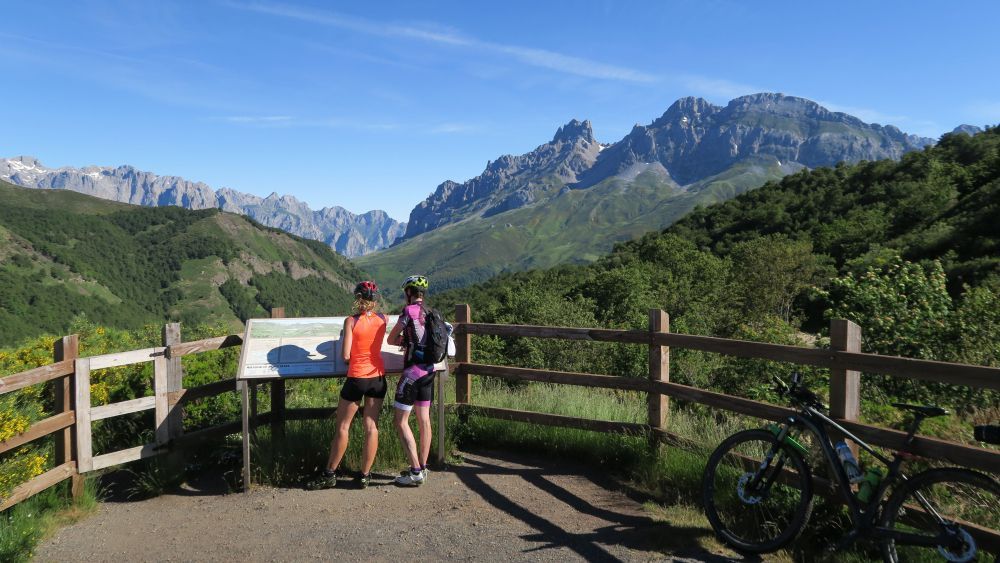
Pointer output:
x,y
364,306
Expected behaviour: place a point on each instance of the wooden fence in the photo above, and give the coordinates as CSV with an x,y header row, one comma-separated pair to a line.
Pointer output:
x,y
844,360
71,422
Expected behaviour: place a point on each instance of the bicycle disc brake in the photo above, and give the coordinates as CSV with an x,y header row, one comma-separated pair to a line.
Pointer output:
x,y
741,490
968,546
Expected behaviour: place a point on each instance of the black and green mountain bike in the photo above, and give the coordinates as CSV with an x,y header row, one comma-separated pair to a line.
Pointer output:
x,y
758,491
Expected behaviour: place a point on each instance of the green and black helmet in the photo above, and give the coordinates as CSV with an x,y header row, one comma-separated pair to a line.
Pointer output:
x,y
416,282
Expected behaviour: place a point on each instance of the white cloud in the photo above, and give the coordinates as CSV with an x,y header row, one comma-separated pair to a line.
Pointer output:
x,y
288,121
541,58
257,120
449,128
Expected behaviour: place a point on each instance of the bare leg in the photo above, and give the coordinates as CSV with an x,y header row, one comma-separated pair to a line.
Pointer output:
x,y
372,408
424,425
345,413
402,422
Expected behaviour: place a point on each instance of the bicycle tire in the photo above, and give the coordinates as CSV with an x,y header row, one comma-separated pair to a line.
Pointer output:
x,y
743,520
957,494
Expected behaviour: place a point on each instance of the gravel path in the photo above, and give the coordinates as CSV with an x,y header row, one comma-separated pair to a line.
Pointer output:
x,y
493,507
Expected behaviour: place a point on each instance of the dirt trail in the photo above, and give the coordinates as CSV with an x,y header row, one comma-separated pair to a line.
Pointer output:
x,y
492,507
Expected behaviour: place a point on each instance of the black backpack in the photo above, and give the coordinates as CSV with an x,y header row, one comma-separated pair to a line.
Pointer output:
x,y
435,347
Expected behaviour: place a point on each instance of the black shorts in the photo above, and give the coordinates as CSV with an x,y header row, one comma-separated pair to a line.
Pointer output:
x,y
357,387
410,392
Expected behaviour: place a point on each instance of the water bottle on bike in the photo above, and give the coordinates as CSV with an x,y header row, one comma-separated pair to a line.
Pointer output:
x,y
850,464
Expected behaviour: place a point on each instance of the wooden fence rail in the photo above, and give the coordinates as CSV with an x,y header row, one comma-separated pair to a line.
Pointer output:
x,y
926,370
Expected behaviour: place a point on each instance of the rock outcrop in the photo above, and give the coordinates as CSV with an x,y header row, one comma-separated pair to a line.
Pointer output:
x,y
510,181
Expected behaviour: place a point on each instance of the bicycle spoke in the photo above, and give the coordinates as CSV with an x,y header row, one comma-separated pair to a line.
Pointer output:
x,y
954,513
755,507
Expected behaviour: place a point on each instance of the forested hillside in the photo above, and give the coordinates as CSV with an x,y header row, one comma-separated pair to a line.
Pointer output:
x,y
907,249
64,254
942,203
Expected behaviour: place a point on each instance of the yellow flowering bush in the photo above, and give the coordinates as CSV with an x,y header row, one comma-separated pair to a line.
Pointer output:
x,y
19,467
11,424
20,409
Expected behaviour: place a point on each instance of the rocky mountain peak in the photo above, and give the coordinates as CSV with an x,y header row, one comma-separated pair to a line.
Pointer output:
x,y
28,161
780,105
573,131
683,112
967,129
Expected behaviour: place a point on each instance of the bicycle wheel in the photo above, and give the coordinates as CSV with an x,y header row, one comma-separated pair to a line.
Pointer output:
x,y
969,504
757,493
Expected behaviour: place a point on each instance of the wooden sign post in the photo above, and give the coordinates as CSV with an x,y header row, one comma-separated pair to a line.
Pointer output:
x,y
276,349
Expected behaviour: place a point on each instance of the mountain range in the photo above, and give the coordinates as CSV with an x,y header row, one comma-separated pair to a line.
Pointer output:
x,y
569,200
348,233
573,198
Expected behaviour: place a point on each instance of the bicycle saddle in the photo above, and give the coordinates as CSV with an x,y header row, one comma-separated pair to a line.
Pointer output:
x,y
922,410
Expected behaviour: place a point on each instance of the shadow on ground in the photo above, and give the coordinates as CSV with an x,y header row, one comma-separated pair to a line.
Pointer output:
x,y
626,527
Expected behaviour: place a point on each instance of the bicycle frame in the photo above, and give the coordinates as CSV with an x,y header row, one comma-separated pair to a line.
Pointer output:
x,y
863,515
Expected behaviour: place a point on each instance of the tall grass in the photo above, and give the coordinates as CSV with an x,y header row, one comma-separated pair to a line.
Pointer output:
x,y
28,523
664,471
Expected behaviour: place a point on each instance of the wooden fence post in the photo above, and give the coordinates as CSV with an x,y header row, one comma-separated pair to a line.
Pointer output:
x,y
67,348
174,383
845,385
659,370
161,403
244,388
463,354
81,403
277,394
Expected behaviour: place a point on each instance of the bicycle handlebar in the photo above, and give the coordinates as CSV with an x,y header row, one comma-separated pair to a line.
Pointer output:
x,y
797,391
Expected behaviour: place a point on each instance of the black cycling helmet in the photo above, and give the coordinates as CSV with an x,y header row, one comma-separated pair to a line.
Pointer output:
x,y
366,290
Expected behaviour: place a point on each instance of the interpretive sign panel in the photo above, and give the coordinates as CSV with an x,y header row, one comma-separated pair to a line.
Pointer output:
x,y
303,347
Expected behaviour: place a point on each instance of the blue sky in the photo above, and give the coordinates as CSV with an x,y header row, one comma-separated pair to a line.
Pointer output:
x,y
371,105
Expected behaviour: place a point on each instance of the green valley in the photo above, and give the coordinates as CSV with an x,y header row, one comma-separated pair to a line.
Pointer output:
x,y
565,226
65,254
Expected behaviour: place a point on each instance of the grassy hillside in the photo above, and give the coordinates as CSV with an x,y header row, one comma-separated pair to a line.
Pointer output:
x,y
63,254
565,226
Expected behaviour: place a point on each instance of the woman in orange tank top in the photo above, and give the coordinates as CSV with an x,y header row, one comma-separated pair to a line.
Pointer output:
x,y
361,346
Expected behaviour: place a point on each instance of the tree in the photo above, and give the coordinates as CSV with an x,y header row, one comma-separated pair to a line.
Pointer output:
x,y
768,273
902,308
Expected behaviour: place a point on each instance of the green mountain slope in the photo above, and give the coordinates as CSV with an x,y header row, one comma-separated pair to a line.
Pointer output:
x,y
64,254
565,226
908,250
941,203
